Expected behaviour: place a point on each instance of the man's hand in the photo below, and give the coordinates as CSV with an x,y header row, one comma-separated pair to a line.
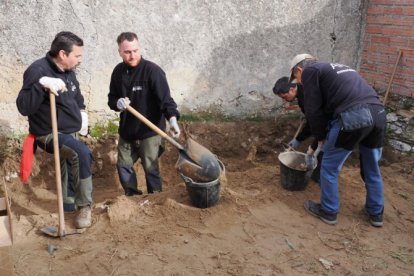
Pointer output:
x,y
311,156
122,103
54,85
310,161
174,130
294,144
318,149
85,121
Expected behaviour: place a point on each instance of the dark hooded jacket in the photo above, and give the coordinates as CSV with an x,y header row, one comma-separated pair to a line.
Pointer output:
x,y
33,101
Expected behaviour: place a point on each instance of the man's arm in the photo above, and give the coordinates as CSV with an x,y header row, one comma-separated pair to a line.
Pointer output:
x,y
32,93
114,93
161,89
314,103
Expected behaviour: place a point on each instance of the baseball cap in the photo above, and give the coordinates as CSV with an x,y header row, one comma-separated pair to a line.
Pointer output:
x,y
297,59
283,85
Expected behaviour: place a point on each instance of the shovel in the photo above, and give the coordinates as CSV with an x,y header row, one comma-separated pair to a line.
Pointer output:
x,y
301,125
50,230
53,231
194,160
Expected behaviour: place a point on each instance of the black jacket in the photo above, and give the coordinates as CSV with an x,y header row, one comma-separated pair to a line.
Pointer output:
x,y
147,88
329,89
306,130
33,100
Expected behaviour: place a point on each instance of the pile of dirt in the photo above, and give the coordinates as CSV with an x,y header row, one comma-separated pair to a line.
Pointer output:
x,y
256,228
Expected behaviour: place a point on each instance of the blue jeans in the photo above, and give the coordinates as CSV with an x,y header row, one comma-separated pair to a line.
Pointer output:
x,y
332,162
76,162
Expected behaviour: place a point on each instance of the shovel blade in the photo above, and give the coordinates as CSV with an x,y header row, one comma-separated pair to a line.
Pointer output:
x,y
52,231
201,166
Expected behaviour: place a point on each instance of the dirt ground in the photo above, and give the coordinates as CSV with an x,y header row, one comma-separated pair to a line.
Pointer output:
x,y
256,228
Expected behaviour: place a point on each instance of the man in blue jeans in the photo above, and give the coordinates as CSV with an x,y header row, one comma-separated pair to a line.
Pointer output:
x,y
343,112
55,73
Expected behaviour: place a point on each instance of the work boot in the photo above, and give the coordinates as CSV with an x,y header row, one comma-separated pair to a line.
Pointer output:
x,y
83,220
315,209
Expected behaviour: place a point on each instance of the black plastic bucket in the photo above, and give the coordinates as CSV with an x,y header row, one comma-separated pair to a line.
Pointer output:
x,y
203,195
293,173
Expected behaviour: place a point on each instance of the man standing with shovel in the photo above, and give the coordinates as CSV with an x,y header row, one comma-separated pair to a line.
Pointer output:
x,y
143,85
55,74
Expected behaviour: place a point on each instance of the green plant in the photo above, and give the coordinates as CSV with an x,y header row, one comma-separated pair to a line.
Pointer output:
x,y
4,148
390,109
219,117
101,129
407,103
112,127
190,117
97,131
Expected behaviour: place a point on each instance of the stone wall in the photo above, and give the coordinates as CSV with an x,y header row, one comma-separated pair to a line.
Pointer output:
x,y
219,56
400,128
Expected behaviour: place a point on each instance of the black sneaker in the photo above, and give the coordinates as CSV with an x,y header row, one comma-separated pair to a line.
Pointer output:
x,y
315,210
131,192
375,220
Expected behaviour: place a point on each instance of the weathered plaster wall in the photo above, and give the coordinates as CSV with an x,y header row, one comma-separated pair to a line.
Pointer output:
x,y
219,56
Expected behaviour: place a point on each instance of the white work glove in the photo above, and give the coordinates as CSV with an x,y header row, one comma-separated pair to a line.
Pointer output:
x,y
294,144
54,85
174,130
122,103
315,153
311,156
85,121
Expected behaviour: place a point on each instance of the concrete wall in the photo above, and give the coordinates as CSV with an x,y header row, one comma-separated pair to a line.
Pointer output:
x,y
219,56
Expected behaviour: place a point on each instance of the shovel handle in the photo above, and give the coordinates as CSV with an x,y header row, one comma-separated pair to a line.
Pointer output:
x,y
392,77
302,122
153,127
57,163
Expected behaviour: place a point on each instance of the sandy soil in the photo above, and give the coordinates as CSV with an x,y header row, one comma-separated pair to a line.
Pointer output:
x,y
257,227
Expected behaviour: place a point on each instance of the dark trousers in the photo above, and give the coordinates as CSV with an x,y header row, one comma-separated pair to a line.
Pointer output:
x,y
148,150
76,162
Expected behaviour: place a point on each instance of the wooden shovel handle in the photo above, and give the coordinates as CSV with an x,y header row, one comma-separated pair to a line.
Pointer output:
x,y
302,122
154,127
392,77
57,163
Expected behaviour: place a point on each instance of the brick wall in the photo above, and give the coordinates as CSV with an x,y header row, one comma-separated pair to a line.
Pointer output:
x,y
389,28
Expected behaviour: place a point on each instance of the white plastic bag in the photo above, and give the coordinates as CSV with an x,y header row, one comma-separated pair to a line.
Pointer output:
x,y
85,121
